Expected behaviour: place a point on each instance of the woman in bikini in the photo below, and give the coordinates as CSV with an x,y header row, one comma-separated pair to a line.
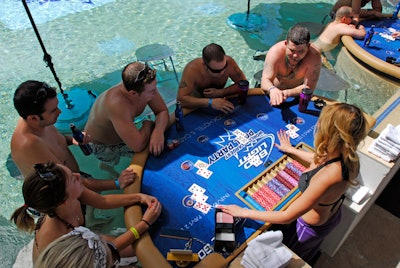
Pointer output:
x,y
333,168
56,194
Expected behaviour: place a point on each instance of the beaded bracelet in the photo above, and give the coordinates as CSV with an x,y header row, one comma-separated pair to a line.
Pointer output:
x,y
134,232
209,102
117,184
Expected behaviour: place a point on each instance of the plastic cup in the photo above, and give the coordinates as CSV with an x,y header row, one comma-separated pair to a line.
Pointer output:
x,y
243,90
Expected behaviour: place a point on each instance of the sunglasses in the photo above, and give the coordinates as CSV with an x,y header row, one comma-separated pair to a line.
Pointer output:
x,y
41,93
217,71
145,75
44,172
115,253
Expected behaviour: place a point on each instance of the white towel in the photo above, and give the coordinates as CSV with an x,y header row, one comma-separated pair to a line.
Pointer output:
x,y
387,145
393,133
266,251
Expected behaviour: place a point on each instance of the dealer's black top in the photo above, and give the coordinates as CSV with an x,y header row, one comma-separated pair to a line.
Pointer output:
x,y
306,177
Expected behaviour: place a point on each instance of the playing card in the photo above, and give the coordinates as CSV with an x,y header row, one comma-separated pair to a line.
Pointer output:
x,y
292,127
199,197
201,164
205,173
292,134
203,207
196,188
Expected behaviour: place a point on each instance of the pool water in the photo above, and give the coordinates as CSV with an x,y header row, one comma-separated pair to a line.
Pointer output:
x,y
91,41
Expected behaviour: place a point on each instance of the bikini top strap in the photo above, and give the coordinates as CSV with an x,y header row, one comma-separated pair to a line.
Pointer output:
x,y
339,158
69,225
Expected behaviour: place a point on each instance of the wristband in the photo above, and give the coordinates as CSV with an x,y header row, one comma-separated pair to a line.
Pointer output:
x,y
117,184
271,88
209,103
134,232
148,223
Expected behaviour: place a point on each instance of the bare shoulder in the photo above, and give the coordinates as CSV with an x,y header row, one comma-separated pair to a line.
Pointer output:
x,y
192,72
277,48
113,101
276,54
313,55
193,66
331,174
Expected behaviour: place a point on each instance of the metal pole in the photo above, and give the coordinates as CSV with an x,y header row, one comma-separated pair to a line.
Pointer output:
x,y
47,57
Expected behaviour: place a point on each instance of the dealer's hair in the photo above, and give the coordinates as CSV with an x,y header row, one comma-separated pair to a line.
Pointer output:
x,y
341,127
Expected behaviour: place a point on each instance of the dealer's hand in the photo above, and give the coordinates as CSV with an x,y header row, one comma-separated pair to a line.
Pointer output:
x,y
233,210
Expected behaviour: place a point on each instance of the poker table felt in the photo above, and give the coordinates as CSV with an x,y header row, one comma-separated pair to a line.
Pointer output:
x,y
380,47
213,138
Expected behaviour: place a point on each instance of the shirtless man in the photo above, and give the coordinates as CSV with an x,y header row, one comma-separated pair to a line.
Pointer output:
x,y
203,80
359,12
290,66
36,139
110,122
342,25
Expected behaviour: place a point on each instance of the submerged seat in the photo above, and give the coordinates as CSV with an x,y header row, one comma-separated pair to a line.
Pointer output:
x,y
257,76
156,54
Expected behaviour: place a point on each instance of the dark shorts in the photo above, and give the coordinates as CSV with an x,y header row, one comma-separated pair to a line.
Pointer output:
x,y
305,240
111,154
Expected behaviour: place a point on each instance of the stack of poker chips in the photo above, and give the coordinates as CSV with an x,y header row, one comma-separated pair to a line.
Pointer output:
x,y
283,181
172,144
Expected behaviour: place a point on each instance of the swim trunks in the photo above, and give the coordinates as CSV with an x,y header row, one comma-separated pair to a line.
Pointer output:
x,y
305,239
111,154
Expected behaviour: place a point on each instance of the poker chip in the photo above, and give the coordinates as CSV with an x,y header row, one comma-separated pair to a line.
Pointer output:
x,y
298,166
288,178
283,181
188,201
187,165
229,123
202,139
281,189
291,173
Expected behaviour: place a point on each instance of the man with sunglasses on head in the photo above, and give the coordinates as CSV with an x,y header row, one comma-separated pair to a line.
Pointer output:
x,y
36,139
111,120
204,79
291,65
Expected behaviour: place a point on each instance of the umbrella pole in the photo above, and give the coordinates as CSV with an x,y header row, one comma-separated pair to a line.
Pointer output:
x,y
248,9
47,57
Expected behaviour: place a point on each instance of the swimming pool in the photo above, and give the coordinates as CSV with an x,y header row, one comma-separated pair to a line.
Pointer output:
x,y
91,41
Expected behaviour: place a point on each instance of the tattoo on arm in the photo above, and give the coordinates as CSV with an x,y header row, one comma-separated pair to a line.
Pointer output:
x,y
182,84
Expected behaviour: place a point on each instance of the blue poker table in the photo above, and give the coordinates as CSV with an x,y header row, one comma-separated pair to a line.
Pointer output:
x,y
216,155
381,49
